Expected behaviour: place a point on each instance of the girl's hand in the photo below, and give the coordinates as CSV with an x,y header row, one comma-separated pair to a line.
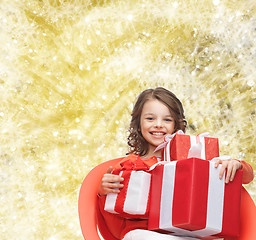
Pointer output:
x,y
110,183
231,165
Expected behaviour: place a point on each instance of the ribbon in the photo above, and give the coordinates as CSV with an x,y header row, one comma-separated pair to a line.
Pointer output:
x,y
127,165
223,158
197,146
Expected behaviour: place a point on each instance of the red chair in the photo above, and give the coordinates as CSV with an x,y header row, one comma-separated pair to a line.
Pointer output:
x,y
91,219
247,217
89,216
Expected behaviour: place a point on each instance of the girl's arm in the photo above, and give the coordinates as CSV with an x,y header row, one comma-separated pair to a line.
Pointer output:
x,y
232,166
248,174
118,226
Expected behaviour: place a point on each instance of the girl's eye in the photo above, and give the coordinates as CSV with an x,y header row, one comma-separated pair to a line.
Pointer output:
x,y
168,120
150,118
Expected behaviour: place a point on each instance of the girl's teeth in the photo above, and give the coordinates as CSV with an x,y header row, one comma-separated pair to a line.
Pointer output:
x,y
156,133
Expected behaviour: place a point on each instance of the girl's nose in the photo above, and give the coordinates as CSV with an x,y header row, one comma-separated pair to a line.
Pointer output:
x,y
158,123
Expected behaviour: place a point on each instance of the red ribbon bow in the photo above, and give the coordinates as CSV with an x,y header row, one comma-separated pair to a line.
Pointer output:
x,y
136,165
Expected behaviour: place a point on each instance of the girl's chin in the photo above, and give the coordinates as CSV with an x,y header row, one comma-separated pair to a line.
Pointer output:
x,y
155,144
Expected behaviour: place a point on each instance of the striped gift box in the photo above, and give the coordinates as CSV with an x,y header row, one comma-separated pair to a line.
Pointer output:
x,y
188,198
133,199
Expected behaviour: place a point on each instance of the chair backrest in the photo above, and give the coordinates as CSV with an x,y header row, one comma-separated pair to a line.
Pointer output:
x,y
247,217
91,219
89,216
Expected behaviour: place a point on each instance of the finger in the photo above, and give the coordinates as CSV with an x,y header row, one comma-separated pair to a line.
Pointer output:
x,y
105,191
217,163
233,174
228,174
112,178
110,169
222,170
113,190
112,185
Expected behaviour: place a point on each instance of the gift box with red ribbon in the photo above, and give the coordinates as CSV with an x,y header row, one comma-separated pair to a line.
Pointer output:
x,y
180,146
133,199
189,199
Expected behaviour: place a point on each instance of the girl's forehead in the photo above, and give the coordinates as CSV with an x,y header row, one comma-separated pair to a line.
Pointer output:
x,y
154,106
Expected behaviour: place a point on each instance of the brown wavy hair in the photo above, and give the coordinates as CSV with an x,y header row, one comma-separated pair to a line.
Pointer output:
x,y
137,143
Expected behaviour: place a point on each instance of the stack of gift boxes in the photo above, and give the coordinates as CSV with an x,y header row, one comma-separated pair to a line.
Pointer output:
x,y
183,194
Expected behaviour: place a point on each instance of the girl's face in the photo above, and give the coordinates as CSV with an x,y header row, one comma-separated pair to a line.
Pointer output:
x,y
156,122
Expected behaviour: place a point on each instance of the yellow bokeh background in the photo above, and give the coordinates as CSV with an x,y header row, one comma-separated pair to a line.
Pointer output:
x,y
70,71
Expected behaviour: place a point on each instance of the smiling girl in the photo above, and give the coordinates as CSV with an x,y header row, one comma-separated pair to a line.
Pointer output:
x,y
157,112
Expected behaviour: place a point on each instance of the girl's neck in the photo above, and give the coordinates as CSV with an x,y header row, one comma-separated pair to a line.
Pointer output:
x,y
151,154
